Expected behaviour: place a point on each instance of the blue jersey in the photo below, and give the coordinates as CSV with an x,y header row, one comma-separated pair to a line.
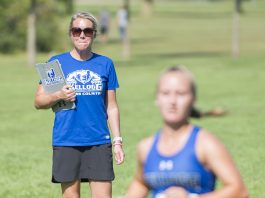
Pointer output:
x,y
87,124
182,169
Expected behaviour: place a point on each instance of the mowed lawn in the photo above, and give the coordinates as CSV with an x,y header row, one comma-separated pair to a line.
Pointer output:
x,y
197,35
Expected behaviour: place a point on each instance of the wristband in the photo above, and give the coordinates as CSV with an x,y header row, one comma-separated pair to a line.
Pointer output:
x,y
117,143
117,139
193,195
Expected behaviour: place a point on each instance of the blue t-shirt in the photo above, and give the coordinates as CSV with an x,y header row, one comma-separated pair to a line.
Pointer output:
x,y
182,169
87,124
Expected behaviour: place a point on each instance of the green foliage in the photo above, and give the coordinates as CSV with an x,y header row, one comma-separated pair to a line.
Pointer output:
x,y
68,5
13,25
48,26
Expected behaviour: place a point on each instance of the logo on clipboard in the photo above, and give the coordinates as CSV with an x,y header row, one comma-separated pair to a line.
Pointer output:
x,y
52,78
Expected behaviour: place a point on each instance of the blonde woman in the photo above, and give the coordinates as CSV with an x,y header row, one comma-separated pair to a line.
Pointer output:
x,y
82,149
183,160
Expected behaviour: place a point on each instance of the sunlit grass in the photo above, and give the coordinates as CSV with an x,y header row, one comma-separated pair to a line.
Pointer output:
x,y
197,35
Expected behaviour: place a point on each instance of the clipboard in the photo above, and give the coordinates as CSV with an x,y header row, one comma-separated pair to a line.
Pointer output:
x,y
53,80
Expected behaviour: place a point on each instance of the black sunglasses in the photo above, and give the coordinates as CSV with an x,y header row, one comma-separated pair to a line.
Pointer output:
x,y
76,32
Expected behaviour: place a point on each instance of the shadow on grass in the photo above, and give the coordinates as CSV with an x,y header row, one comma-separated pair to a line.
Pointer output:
x,y
182,54
195,15
114,41
147,59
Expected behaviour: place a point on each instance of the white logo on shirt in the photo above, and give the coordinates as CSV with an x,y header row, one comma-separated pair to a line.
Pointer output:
x,y
85,82
165,165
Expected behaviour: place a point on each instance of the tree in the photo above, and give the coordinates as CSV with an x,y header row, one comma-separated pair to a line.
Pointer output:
x,y
126,42
235,29
68,5
147,8
254,2
14,33
127,6
238,6
31,34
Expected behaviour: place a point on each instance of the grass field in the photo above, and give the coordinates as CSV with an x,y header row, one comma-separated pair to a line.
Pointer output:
x,y
196,35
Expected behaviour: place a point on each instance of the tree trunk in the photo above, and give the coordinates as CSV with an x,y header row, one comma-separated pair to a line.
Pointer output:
x,y
127,6
254,3
238,6
31,34
126,43
147,8
235,32
69,6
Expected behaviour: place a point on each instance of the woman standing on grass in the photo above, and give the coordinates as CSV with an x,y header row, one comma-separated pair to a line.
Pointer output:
x,y
182,160
82,149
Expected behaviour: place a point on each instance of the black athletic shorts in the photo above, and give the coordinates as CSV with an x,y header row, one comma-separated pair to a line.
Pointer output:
x,y
83,163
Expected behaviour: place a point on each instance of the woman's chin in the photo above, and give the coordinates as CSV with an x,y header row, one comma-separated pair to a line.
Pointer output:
x,y
82,48
174,121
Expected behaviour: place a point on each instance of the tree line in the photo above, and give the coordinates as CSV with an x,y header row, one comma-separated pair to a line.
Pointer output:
x,y
21,20
14,23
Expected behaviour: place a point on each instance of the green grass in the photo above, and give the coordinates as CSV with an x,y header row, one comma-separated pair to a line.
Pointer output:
x,y
196,35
